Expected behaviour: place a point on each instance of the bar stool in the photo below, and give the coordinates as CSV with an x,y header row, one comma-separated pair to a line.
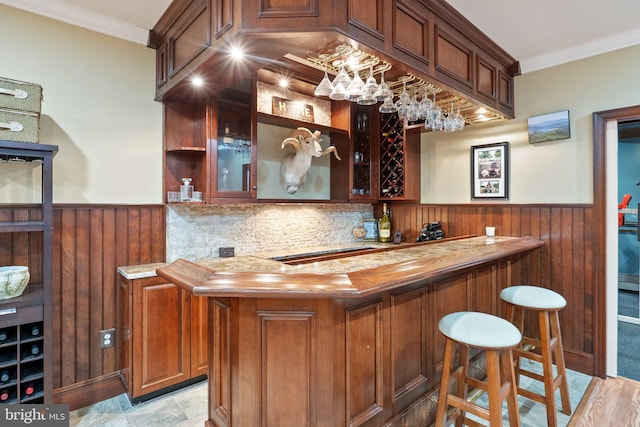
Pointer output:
x,y
544,349
497,337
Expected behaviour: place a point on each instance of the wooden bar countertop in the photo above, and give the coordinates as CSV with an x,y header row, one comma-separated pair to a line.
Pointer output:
x,y
331,274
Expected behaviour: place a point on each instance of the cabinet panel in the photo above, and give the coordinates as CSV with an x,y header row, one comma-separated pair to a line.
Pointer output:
x,y
453,57
192,37
160,335
199,336
367,16
288,389
411,32
364,353
409,344
486,78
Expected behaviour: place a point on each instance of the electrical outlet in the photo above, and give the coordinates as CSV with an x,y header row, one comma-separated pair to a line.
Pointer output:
x,y
107,338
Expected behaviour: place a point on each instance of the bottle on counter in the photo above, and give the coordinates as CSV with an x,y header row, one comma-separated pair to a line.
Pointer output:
x,y
385,225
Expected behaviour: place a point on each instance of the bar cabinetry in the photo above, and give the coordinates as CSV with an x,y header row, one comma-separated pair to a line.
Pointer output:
x,y
26,374
164,336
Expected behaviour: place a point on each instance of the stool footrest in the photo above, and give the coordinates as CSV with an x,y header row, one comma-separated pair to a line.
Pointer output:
x,y
462,404
530,374
472,423
531,395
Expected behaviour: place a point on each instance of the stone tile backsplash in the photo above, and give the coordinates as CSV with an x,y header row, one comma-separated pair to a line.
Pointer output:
x,y
198,231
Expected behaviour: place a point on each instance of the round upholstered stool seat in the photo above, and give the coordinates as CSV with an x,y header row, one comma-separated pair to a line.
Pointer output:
x,y
543,345
533,297
479,330
497,337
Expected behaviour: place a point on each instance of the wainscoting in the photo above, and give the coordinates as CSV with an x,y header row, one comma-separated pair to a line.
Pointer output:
x,y
567,262
91,241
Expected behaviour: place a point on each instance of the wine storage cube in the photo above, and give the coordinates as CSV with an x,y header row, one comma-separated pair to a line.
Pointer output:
x,y
21,363
392,157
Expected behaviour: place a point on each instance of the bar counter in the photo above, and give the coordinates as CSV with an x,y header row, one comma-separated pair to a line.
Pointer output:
x,y
342,338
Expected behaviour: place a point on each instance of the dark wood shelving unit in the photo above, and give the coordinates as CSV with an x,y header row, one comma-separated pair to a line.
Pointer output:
x,y
26,362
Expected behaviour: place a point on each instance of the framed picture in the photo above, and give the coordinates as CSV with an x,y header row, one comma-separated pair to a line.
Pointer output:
x,y
549,127
490,171
371,225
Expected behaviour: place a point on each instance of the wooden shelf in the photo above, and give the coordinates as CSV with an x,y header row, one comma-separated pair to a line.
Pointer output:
x,y
11,227
187,150
283,121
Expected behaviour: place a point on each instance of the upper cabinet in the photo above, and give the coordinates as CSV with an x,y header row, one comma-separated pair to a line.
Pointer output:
x,y
428,40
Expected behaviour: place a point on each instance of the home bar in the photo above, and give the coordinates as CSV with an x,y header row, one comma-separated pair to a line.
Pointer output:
x,y
345,338
270,212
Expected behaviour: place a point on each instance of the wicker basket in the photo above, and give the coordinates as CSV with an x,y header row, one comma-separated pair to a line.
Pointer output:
x,y
22,96
19,126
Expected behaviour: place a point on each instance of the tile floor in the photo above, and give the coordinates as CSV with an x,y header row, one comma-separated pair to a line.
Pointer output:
x,y
188,407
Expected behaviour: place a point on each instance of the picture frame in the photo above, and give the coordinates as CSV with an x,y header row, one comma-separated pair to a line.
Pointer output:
x,y
549,127
490,171
371,225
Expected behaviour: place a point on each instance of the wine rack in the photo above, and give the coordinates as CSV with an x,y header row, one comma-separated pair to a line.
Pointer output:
x,y
22,363
361,177
392,157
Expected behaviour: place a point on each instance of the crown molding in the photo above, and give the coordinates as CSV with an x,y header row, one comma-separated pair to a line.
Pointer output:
x,y
70,14
586,50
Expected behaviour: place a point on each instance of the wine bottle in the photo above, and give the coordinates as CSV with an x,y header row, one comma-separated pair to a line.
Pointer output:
x,y
4,395
385,225
35,330
5,376
35,349
3,335
29,390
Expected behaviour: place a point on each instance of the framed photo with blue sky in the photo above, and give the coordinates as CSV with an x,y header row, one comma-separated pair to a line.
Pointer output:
x,y
549,127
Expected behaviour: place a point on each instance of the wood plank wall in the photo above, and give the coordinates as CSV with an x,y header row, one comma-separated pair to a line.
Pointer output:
x,y
90,241
566,264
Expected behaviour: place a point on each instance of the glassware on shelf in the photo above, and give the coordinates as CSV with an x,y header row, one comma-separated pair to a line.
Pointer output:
x,y
186,190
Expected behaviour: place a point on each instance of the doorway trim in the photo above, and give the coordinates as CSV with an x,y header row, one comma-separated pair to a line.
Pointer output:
x,y
605,319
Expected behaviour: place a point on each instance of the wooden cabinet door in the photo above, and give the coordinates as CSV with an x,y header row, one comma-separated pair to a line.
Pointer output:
x,y
199,336
160,335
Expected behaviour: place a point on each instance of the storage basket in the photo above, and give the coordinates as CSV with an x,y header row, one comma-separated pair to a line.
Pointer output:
x,y
22,96
19,126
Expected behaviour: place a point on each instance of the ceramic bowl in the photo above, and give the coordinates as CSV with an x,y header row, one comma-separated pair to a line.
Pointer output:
x,y
13,280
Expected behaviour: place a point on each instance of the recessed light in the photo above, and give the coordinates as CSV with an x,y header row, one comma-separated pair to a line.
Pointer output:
x,y
283,83
197,81
237,53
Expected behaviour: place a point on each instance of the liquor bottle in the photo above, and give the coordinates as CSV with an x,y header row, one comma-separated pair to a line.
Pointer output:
x,y
385,225
4,395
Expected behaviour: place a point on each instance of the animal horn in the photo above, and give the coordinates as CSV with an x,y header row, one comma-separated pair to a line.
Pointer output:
x,y
292,141
333,150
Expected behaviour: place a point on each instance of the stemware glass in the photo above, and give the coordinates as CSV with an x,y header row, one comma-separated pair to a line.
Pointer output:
x,y
338,93
403,102
413,110
388,106
425,106
355,89
436,116
342,78
383,91
325,87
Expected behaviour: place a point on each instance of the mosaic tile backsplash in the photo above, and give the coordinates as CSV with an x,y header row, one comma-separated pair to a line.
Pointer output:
x,y
198,231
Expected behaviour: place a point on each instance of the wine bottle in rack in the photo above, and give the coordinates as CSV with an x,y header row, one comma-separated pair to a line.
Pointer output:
x,y
35,349
5,376
29,389
4,394
35,330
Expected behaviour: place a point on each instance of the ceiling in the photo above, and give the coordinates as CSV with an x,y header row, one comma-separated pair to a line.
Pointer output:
x,y
538,33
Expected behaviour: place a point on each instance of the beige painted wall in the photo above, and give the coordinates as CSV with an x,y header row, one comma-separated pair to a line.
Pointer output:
x,y
98,108
550,172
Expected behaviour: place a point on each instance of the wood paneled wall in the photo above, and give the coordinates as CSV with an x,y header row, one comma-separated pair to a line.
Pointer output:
x,y
566,264
91,241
